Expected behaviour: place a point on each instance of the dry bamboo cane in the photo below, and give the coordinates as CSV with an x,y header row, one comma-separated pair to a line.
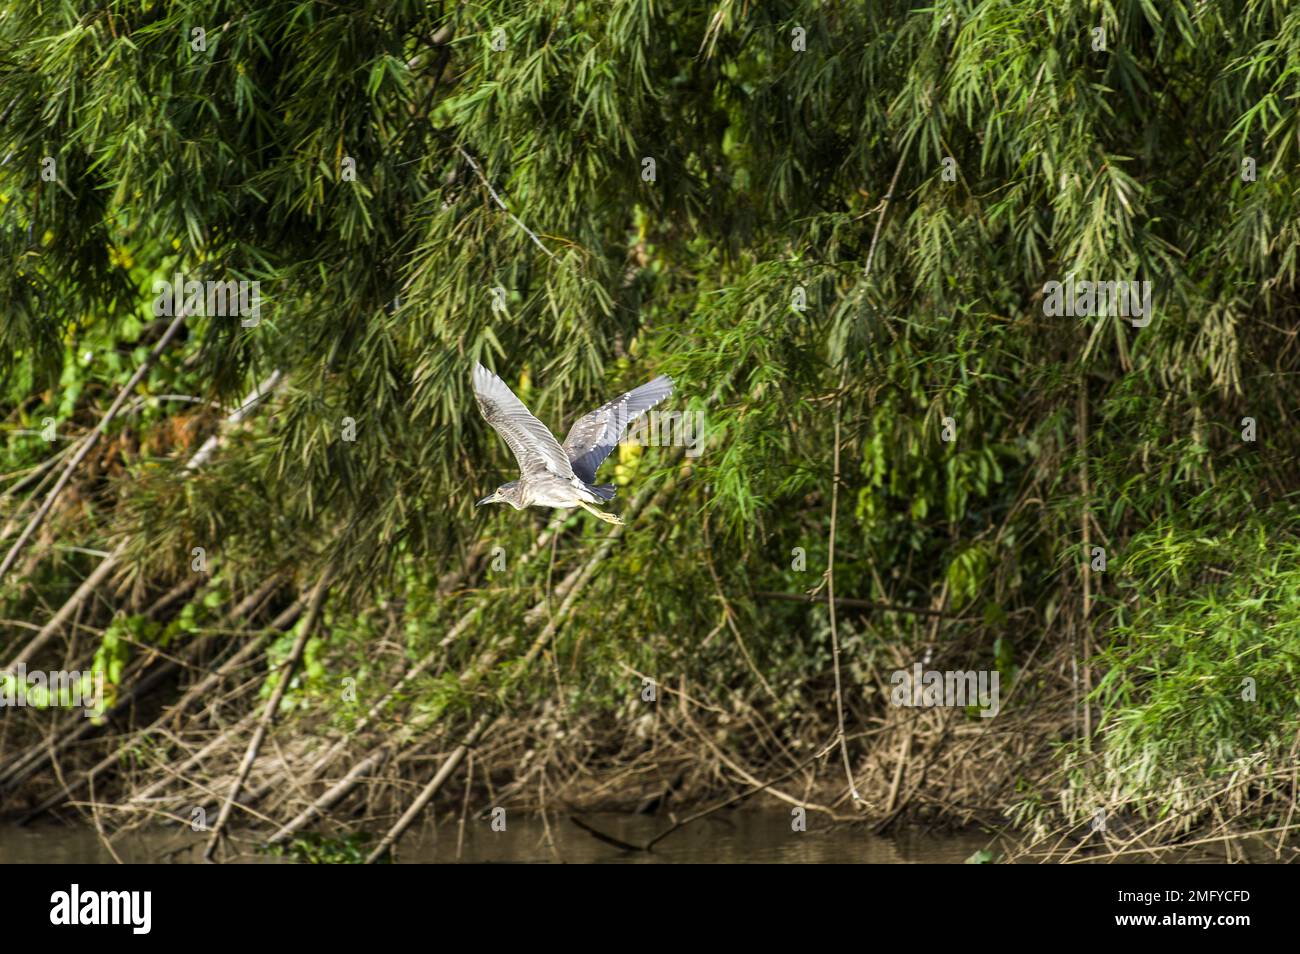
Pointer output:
x,y
65,613
334,794
89,442
272,705
78,728
256,793
201,687
444,772
377,756
221,740
109,563
22,767
74,729
485,721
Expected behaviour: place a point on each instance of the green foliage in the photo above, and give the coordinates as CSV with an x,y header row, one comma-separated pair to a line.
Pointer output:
x,y
314,849
1207,677
772,170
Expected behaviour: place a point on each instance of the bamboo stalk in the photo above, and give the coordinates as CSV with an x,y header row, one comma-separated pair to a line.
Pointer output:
x,y
195,691
70,607
333,795
444,772
272,705
87,444
109,563
1086,493
352,778
485,721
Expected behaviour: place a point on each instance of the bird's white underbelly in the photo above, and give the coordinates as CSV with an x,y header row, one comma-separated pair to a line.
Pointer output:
x,y
555,494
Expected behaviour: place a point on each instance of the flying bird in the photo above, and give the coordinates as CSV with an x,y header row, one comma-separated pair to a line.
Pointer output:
x,y
551,475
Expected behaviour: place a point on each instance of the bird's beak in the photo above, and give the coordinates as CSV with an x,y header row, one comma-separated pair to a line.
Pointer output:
x,y
486,500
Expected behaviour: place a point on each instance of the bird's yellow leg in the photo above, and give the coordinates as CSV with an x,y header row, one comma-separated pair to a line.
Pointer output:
x,y
607,517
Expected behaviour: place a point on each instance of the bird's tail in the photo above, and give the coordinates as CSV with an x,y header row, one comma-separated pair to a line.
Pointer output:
x,y
604,491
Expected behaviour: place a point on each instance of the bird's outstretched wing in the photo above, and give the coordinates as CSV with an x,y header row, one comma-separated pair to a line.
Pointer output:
x,y
594,435
534,447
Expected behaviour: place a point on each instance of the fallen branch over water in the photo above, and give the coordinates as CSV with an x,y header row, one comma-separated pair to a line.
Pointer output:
x,y
727,803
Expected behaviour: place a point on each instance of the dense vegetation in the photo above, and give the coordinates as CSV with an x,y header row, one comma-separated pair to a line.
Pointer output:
x,y
833,224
